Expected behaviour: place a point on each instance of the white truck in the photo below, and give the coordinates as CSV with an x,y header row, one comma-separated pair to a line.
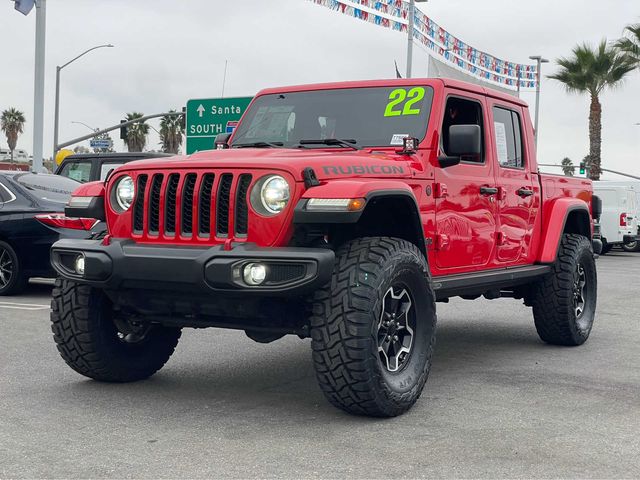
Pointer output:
x,y
618,225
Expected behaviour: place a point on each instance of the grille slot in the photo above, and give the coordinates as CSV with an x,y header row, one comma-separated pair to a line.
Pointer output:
x,y
154,203
170,204
222,215
138,206
242,208
204,204
187,203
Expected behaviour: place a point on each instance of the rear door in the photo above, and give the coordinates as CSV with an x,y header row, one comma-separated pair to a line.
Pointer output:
x,y
465,193
517,194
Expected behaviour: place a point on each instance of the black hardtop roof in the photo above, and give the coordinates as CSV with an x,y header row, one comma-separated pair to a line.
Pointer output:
x,y
118,155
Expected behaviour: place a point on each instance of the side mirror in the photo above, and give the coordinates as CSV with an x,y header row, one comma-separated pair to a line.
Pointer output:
x,y
222,141
464,140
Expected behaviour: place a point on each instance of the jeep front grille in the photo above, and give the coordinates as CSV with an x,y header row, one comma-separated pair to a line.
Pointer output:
x,y
193,204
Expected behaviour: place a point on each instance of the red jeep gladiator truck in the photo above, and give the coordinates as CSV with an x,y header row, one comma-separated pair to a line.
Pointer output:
x,y
341,212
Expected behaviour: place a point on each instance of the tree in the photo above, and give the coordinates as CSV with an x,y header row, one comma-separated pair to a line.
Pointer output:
x,y
629,44
567,167
136,133
81,149
12,124
171,130
590,71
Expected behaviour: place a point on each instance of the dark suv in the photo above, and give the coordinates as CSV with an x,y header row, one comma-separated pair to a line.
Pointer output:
x,y
89,167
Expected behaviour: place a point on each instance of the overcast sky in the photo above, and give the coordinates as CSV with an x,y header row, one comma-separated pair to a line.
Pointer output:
x,y
168,51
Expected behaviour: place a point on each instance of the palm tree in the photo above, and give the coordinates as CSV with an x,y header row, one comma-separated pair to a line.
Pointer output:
x,y
630,43
12,124
567,167
591,71
136,133
171,131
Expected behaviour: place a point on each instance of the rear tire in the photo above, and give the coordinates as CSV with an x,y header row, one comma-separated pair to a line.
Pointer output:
x,y
91,344
606,247
631,247
12,278
564,301
373,327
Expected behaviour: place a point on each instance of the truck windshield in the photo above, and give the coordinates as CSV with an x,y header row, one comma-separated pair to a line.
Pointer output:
x,y
373,117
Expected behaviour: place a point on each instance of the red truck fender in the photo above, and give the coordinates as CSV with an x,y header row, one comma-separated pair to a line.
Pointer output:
x,y
563,215
382,197
87,201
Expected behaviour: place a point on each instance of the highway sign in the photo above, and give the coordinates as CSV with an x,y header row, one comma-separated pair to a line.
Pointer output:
x,y
105,143
207,117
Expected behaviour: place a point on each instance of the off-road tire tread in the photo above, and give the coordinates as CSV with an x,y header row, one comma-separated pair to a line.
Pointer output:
x,y
340,330
552,296
79,341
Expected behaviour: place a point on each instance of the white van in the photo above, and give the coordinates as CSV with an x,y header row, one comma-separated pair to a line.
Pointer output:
x,y
618,224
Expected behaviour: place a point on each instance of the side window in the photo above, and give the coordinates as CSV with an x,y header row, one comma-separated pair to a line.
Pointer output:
x,y
459,111
79,171
4,194
508,138
105,168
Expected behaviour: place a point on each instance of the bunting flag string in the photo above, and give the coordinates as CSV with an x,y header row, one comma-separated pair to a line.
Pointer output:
x,y
393,14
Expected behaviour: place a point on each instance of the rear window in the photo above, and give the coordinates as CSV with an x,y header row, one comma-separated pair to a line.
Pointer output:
x,y
51,188
78,171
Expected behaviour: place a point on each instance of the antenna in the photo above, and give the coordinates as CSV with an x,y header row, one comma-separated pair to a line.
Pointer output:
x,y
224,78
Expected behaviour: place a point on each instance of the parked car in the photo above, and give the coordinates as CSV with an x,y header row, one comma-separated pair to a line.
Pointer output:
x,y
31,220
339,212
618,224
89,167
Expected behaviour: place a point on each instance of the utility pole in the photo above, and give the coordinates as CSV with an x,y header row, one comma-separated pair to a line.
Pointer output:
x,y
539,61
410,28
38,96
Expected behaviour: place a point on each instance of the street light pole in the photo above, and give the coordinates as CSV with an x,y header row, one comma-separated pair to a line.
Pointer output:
x,y
410,28
57,107
539,61
38,95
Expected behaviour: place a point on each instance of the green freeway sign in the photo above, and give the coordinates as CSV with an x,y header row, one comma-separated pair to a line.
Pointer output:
x,y
207,117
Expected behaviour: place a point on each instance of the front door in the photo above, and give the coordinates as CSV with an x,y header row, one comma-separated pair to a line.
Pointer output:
x,y
465,195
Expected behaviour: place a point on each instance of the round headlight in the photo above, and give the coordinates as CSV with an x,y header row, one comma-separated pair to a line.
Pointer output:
x,y
125,192
270,195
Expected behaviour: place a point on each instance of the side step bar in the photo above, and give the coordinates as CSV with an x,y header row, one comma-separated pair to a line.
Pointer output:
x,y
479,282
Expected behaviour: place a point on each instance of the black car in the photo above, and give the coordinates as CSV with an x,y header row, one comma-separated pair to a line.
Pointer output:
x,y
30,222
88,167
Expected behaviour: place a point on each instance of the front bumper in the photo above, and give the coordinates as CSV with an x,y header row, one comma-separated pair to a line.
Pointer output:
x,y
124,264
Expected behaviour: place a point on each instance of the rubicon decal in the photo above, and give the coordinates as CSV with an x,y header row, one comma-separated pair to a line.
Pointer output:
x,y
362,169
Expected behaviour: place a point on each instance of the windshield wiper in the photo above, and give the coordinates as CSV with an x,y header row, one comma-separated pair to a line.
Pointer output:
x,y
258,145
344,142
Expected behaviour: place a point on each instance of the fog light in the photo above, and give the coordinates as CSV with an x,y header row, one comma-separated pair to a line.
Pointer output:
x,y
254,273
79,265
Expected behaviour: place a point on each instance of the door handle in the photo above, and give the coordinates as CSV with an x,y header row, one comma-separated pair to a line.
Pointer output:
x,y
488,190
524,192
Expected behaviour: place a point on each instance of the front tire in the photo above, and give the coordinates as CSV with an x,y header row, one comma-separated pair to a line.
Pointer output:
x,y
564,301
373,327
85,332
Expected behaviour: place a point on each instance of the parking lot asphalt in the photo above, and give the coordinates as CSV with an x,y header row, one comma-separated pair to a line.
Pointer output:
x,y
498,403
